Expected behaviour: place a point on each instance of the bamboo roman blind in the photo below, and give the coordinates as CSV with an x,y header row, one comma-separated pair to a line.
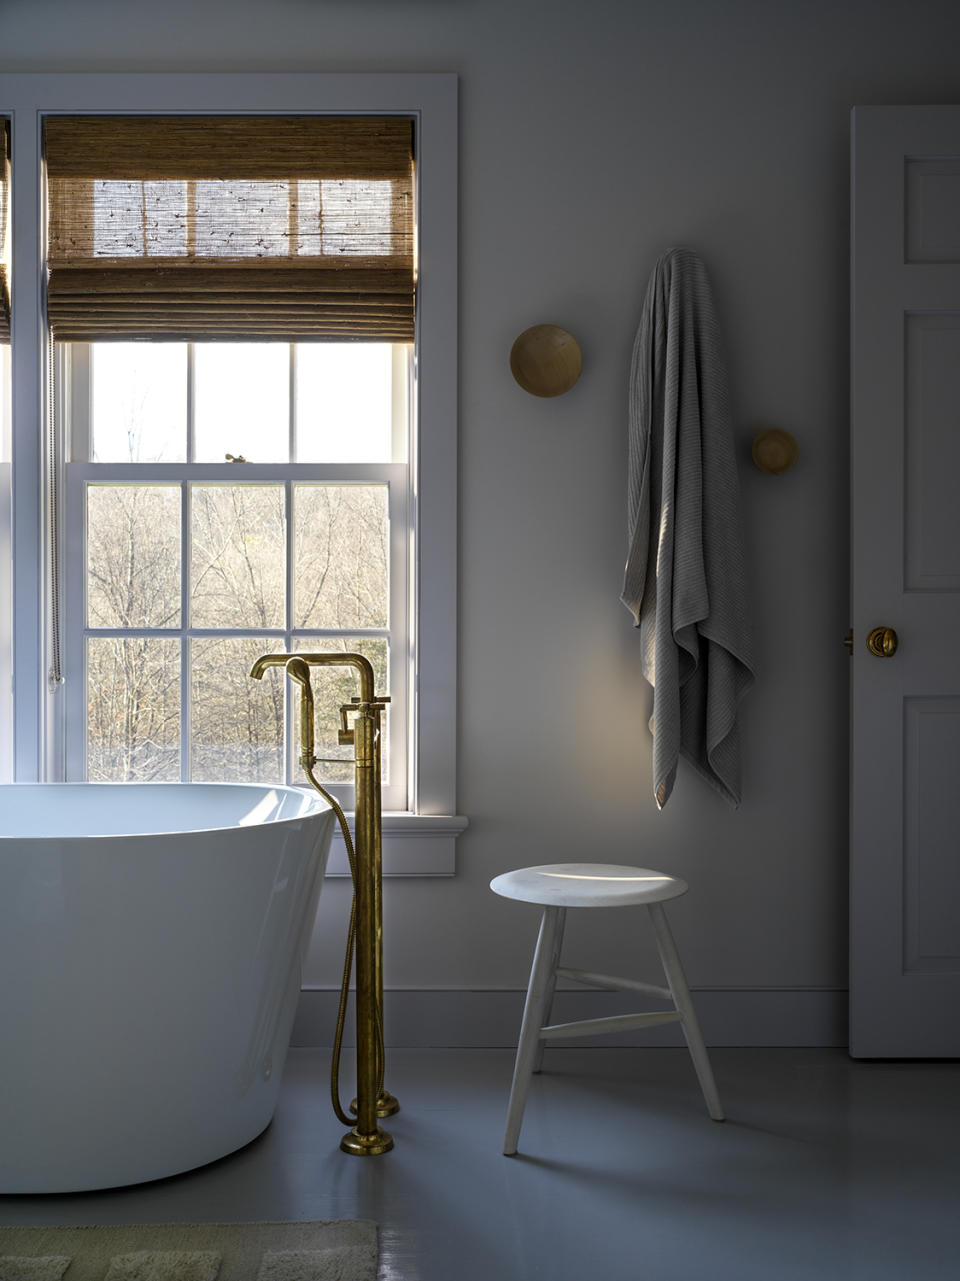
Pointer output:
x,y
248,227
4,220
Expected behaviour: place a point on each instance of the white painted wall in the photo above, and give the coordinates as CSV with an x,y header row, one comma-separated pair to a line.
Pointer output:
x,y
593,136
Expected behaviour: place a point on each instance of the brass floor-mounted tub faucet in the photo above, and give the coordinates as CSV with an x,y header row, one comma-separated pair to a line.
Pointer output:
x,y
366,1138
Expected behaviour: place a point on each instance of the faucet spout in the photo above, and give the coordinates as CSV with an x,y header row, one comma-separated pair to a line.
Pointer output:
x,y
268,660
338,658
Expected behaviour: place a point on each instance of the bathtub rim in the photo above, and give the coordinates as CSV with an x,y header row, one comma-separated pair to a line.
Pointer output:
x,y
316,804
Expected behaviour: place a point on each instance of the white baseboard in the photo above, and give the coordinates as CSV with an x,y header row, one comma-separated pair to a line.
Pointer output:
x,y
457,1019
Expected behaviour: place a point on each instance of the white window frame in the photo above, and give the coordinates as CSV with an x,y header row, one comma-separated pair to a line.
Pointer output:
x,y
6,569
421,840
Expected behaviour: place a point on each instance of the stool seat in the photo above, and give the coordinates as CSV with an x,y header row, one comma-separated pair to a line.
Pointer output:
x,y
587,885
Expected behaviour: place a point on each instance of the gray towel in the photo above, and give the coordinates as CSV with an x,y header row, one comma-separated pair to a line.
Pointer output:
x,y
685,581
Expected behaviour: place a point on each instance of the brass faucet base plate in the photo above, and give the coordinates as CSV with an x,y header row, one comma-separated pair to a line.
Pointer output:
x,y
366,1144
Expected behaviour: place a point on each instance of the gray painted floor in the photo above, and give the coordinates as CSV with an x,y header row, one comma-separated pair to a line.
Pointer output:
x,y
825,1169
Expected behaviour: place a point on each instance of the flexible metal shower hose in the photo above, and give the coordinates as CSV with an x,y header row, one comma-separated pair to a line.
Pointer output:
x,y
341,1114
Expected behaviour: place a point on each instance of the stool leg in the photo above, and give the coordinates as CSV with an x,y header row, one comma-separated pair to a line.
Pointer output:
x,y
530,1028
551,987
688,1019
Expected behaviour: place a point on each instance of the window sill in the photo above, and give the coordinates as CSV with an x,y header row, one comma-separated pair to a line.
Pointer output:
x,y
413,845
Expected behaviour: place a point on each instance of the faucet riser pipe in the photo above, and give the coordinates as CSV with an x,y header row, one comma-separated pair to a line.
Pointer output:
x,y
366,1138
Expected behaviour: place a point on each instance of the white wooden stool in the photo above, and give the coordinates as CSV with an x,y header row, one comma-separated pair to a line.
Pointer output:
x,y
558,886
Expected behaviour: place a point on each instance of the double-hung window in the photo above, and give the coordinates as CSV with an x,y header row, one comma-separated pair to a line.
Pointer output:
x,y
246,402
226,500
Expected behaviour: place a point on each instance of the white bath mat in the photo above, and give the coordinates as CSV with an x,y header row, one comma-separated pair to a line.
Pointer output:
x,y
343,1250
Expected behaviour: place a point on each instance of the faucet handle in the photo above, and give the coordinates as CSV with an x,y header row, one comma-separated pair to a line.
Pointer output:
x,y
345,735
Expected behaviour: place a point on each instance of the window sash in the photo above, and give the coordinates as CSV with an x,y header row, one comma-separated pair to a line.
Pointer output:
x,y
183,475
74,378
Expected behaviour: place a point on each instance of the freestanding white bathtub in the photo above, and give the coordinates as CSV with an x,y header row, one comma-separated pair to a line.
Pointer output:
x,y
150,945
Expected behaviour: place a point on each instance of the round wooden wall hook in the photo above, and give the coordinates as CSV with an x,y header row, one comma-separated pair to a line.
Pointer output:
x,y
775,451
546,360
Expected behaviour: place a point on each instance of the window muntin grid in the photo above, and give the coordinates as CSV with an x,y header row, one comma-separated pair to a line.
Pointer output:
x,y
372,503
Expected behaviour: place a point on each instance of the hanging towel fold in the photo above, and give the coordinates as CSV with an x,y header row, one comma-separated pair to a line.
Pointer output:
x,y
685,581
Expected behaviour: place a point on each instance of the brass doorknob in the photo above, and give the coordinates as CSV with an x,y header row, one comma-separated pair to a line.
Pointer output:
x,y
882,642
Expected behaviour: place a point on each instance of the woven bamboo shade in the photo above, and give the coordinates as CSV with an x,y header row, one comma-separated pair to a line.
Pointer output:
x,y
4,220
259,227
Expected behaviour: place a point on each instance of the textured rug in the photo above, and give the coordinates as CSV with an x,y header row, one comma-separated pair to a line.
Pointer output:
x,y
344,1250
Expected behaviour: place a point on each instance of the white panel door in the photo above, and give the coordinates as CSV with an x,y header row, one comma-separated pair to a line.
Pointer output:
x,y
905,472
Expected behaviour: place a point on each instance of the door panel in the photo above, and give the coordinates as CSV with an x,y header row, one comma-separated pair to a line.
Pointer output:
x,y
931,882
932,209
905,511
932,452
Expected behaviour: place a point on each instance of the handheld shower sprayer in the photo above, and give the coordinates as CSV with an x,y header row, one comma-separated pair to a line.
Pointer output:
x,y
366,1138
298,671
